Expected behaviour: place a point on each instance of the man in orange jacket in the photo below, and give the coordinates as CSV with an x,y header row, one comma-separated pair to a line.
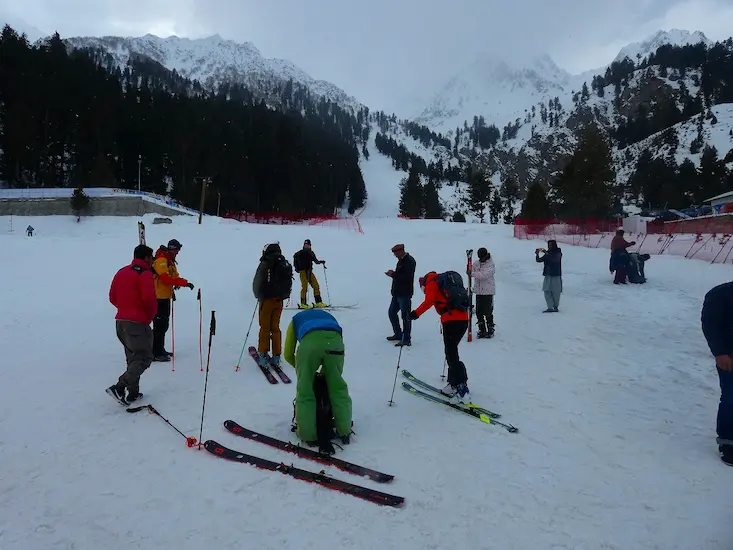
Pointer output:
x,y
166,279
455,325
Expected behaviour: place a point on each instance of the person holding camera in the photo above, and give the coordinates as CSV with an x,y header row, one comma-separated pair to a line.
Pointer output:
x,y
552,272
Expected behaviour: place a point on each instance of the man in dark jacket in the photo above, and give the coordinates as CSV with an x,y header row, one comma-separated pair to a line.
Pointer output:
x,y
132,292
717,326
303,261
403,287
552,271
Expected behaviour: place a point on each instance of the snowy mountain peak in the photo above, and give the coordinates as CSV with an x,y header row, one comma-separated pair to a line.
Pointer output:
x,y
673,37
495,87
213,60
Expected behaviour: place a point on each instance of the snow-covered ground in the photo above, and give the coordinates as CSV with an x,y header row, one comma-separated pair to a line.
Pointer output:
x,y
614,397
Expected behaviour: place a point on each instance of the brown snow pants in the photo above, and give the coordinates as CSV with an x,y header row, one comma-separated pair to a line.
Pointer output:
x,y
270,311
137,339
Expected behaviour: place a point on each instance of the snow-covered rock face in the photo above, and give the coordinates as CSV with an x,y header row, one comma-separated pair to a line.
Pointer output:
x,y
213,60
495,89
674,37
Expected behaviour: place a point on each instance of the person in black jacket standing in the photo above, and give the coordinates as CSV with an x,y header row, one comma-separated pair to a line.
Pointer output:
x,y
403,285
552,272
717,326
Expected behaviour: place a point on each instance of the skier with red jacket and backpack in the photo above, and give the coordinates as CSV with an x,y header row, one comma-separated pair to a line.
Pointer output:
x,y
447,294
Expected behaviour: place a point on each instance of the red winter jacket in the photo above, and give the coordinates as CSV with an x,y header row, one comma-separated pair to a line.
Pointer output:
x,y
434,297
133,293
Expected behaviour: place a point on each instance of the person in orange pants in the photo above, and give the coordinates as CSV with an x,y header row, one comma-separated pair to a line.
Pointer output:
x,y
272,284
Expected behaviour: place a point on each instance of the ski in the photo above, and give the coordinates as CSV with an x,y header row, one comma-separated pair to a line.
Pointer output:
x,y
469,268
280,372
433,389
320,478
472,412
141,232
264,368
348,306
304,452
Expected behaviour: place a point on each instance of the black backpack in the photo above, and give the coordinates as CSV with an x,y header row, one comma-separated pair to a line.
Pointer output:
x,y
451,286
281,278
296,262
324,416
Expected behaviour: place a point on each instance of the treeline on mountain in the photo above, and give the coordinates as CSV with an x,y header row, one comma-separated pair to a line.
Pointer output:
x,y
404,160
585,188
74,119
710,69
661,183
419,197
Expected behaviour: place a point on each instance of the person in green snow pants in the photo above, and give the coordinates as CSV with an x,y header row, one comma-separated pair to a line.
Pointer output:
x,y
320,345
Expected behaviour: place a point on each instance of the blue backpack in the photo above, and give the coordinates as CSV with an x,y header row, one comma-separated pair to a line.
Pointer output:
x,y
451,286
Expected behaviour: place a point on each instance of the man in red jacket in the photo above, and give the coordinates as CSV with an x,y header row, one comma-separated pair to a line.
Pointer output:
x,y
133,294
455,325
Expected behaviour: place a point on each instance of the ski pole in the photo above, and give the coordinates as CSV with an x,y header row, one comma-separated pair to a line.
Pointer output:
x,y
212,331
173,333
244,345
190,441
201,321
325,279
399,358
442,376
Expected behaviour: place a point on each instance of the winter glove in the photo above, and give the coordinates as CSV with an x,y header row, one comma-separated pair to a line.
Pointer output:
x,y
190,285
413,315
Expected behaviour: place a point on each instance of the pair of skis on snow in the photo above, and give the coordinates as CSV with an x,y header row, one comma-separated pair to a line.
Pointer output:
x,y
484,415
266,368
319,478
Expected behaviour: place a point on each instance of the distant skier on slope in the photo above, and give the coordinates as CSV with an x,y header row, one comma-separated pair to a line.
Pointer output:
x,y
132,292
320,344
166,277
552,272
455,324
717,326
272,284
303,261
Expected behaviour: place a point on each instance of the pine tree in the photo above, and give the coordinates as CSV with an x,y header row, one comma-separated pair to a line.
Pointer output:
x,y
712,175
496,207
479,193
79,202
411,195
536,206
509,192
433,208
586,187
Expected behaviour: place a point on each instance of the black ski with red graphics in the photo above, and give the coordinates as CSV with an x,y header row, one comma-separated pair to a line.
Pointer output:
x,y
310,454
365,493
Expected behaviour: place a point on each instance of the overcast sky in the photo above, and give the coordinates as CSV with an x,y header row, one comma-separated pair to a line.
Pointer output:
x,y
381,51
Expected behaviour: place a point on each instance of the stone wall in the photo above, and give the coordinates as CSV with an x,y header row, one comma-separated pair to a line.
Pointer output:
x,y
123,205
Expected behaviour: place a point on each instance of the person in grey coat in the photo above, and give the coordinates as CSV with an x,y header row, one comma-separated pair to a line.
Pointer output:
x,y
552,271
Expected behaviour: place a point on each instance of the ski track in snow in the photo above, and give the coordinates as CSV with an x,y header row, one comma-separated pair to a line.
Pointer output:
x,y
615,400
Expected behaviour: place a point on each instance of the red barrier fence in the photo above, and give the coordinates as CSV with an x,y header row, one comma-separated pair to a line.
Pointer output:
x,y
705,238
282,218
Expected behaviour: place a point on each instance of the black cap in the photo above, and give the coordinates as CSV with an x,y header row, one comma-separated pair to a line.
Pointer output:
x,y
141,252
307,241
173,244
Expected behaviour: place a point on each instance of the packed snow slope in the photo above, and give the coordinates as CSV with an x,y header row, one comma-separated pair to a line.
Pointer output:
x,y
615,400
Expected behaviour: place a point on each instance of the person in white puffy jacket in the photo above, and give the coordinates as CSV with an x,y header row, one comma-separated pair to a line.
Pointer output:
x,y
484,288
